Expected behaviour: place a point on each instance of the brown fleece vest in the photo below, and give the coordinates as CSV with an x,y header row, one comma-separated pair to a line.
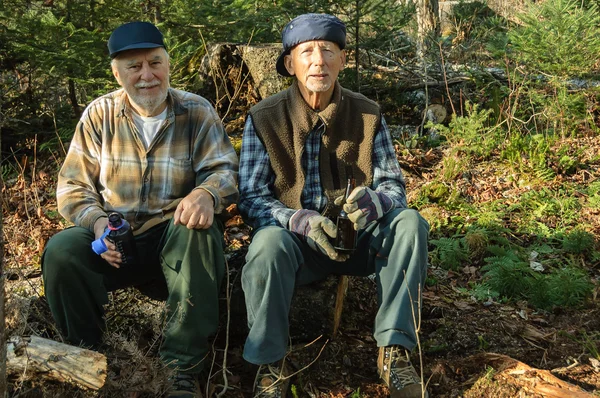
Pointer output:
x,y
283,122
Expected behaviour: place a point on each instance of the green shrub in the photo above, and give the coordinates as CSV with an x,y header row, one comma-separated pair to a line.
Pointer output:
x,y
470,134
557,38
578,241
569,287
563,287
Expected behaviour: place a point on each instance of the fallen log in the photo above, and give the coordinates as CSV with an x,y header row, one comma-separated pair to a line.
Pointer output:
x,y
49,359
537,382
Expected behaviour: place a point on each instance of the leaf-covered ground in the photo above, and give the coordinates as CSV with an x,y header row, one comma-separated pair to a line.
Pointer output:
x,y
460,330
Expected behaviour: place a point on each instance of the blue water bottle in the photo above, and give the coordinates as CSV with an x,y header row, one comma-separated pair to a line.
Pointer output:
x,y
120,233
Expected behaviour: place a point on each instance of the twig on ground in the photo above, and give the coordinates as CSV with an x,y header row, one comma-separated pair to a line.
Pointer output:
x,y
417,323
228,301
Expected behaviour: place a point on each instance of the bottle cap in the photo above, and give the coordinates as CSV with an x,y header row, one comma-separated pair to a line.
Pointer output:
x,y
115,221
98,246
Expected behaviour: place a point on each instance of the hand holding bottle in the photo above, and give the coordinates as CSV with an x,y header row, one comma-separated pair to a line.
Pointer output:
x,y
115,243
111,255
316,231
365,206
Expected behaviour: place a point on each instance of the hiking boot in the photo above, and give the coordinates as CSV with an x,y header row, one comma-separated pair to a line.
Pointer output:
x,y
184,386
399,374
271,381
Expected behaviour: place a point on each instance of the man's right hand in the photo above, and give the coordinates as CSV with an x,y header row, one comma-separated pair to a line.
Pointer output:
x,y
316,230
111,256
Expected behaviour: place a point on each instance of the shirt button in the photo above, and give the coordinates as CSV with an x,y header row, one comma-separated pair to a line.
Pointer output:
x,y
146,179
143,199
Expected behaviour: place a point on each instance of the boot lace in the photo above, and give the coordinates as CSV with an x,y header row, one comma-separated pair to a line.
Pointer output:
x,y
183,382
402,373
269,382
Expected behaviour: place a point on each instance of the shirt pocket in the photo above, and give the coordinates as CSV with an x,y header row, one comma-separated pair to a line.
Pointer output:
x,y
181,178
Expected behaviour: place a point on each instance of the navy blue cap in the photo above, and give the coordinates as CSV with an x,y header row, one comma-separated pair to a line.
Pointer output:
x,y
134,35
307,27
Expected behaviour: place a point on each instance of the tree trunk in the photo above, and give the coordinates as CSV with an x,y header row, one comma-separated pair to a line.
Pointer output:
x,y
428,26
73,98
48,359
2,299
357,41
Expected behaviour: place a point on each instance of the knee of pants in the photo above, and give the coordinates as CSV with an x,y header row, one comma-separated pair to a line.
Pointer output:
x,y
274,250
64,252
410,223
199,247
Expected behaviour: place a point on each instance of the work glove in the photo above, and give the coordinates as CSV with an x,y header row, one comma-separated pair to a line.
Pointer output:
x,y
364,206
316,231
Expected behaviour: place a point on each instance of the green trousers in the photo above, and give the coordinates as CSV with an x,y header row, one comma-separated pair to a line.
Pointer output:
x,y
183,266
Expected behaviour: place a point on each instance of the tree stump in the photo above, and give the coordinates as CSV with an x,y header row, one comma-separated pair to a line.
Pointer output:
x,y
260,61
228,68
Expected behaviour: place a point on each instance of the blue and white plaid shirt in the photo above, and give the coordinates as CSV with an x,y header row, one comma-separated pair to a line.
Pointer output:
x,y
258,204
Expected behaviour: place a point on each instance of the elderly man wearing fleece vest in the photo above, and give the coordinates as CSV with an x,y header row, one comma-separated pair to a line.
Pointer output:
x,y
299,148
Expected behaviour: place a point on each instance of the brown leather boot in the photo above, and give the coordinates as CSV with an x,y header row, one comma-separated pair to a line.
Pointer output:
x,y
399,374
271,381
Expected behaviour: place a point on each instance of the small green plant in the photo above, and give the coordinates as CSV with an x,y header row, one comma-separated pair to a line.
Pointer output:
x,y
8,171
489,372
591,343
482,343
356,394
476,240
294,391
470,134
434,192
507,274
453,167
569,286
578,241
481,292
451,252
564,287
593,194
431,281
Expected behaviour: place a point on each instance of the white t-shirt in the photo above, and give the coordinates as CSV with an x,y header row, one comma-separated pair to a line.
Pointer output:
x,y
149,126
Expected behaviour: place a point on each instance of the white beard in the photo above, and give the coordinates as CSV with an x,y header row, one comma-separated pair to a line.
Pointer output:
x,y
146,102
318,87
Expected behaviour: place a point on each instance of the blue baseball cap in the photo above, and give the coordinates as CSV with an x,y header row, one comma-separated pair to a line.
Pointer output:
x,y
134,35
307,27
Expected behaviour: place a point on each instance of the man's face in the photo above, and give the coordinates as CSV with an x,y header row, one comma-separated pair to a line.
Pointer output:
x,y
144,74
316,64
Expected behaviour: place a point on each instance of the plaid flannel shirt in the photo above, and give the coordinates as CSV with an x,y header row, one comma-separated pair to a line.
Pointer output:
x,y
109,168
258,204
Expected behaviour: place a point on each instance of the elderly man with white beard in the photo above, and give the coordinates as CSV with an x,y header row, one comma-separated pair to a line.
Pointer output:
x,y
159,157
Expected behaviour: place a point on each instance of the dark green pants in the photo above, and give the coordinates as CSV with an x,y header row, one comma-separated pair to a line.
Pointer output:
x,y
186,265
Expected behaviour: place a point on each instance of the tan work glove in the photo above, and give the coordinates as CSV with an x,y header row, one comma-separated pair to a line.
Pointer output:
x,y
315,230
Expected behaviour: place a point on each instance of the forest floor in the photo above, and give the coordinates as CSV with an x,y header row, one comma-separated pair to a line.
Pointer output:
x,y
469,348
